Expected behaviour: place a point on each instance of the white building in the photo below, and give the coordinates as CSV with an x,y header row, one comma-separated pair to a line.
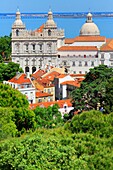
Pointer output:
x,y
36,49
47,46
22,83
58,89
87,50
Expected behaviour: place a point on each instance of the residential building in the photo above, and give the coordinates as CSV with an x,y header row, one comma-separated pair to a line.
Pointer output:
x,y
24,84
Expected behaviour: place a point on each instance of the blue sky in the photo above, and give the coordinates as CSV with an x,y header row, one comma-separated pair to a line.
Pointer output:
x,y
56,5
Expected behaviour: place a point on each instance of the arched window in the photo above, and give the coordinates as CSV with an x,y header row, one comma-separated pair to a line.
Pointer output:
x,y
33,69
26,69
17,32
49,32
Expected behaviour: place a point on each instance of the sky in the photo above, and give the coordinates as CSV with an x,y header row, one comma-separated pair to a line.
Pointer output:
x,y
56,5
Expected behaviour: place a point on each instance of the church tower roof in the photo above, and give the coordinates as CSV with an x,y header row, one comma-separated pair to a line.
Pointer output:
x,y
50,22
18,22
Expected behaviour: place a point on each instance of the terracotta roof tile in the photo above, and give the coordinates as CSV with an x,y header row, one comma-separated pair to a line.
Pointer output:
x,y
108,46
90,39
38,74
37,85
78,48
42,94
20,79
47,104
40,29
85,39
52,75
61,76
77,75
75,83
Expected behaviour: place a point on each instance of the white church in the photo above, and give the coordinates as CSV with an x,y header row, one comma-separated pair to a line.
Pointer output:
x,y
47,46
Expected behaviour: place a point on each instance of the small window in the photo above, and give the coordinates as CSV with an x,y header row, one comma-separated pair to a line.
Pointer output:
x,y
80,63
73,64
17,32
33,47
86,64
49,32
92,63
26,47
65,63
40,47
65,106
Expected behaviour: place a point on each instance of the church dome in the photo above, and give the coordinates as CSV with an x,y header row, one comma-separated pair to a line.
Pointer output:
x,y
50,22
89,28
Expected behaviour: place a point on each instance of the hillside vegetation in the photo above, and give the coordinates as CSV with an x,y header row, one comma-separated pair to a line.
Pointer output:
x,y
84,143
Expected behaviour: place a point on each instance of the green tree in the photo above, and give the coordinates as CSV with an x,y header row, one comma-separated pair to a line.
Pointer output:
x,y
48,117
109,96
16,103
93,122
5,47
8,71
24,119
91,94
10,97
7,125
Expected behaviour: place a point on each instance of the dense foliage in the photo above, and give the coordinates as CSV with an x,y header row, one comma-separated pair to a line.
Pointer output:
x,y
20,116
48,117
92,92
10,97
82,145
5,48
8,71
109,96
7,125
14,113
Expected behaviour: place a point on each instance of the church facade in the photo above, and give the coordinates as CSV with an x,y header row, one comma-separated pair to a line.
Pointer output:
x,y
47,46
36,49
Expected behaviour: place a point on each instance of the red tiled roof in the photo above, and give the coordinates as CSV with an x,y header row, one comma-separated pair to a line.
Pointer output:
x,y
77,75
42,94
40,29
108,46
85,39
61,76
20,79
52,75
75,83
37,85
47,104
90,39
78,48
38,74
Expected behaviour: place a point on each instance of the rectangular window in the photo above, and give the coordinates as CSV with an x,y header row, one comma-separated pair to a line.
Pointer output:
x,y
26,47
80,63
92,63
49,91
86,64
102,56
40,47
65,63
73,64
33,47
